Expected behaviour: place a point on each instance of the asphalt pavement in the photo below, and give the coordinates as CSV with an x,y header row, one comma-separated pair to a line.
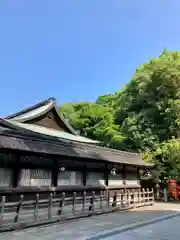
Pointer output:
x,y
164,230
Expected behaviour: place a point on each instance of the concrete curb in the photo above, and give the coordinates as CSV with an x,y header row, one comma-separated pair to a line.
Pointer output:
x,y
117,230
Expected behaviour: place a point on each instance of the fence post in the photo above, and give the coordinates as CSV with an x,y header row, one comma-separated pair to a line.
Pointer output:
x,y
152,195
139,196
84,200
122,199
108,198
18,210
165,195
3,199
114,200
133,197
126,197
144,196
61,204
91,206
148,195
36,207
50,207
129,198
101,200
74,203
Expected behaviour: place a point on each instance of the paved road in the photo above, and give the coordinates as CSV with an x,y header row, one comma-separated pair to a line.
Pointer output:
x,y
88,227
165,230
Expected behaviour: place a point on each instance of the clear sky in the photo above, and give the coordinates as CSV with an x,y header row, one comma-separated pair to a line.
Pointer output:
x,y
78,49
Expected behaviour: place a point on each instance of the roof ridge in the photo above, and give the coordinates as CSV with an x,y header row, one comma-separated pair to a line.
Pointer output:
x,y
39,104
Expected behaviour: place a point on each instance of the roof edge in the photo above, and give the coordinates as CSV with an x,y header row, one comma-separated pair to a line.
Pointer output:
x,y
41,103
52,102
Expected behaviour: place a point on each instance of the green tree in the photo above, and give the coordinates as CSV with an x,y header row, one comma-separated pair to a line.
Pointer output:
x,y
94,121
107,100
147,109
167,156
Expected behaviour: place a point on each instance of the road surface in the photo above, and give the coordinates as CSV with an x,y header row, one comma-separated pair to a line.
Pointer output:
x,y
164,230
86,228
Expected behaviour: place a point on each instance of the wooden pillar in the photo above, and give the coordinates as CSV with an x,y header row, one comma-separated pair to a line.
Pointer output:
x,y
55,171
124,174
138,176
84,175
106,175
16,170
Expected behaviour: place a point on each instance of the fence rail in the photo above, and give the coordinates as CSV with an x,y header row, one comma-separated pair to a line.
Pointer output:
x,y
21,214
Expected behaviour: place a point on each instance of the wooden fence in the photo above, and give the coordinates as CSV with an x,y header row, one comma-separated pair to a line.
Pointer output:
x,y
22,214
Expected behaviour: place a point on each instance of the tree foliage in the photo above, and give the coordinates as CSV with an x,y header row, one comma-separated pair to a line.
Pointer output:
x,y
147,109
94,121
168,158
144,116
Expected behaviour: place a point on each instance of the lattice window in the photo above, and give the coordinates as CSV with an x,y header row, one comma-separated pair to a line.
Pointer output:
x,y
35,177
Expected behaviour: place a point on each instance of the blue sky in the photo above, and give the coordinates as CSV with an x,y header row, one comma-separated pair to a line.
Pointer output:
x,y
77,50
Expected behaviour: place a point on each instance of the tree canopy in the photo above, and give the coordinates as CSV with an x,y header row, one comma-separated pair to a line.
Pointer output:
x,y
144,116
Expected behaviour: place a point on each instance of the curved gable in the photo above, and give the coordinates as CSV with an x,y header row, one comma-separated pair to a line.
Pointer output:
x,y
43,114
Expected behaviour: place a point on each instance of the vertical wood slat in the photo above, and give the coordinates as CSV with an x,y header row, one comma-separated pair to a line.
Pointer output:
x,y
152,195
148,195
133,197
125,197
93,198
122,199
18,210
61,204
50,206
3,200
84,201
74,203
144,196
36,208
91,205
108,198
138,196
101,200
128,198
114,200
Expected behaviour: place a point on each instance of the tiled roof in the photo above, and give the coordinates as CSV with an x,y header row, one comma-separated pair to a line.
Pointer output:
x,y
51,132
26,141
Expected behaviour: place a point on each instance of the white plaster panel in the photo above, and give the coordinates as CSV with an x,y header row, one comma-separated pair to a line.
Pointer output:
x,y
95,178
115,180
5,177
70,178
132,178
